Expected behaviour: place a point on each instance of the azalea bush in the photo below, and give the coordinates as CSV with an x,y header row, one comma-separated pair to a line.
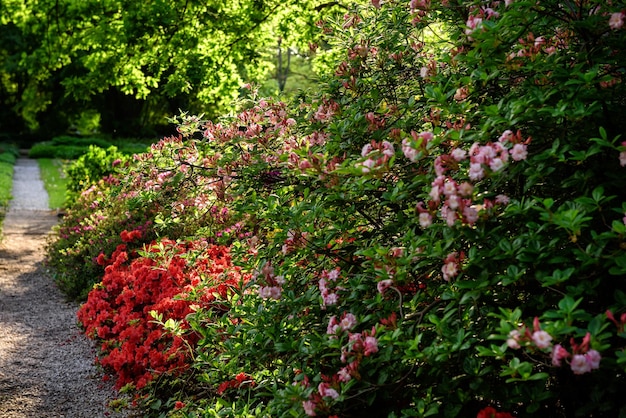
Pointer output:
x,y
439,231
144,292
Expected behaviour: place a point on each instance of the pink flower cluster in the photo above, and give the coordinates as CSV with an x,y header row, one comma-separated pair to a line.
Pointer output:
x,y
273,288
295,240
376,155
452,265
453,199
475,20
539,338
359,345
616,21
329,295
582,359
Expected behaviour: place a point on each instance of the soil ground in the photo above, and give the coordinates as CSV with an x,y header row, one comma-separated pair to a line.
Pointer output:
x,y
46,365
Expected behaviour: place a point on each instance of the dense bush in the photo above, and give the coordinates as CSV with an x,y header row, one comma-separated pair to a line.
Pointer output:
x,y
92,166
143,291
71,148
440,232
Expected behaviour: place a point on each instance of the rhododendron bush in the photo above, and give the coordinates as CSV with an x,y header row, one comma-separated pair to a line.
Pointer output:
x,y
439,231
142,291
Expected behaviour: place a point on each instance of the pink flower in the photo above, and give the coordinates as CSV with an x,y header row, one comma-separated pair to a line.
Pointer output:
x,y
371,345
579,364
458,154
368,165
471,214
376,3
593,359
453,202
409,152
435,193
519,152
506,136
472,23
558,354
476,171
466,189
367,148
461,94
383,285
502,199
270,292
388,149
496,164
333,274
333,326
513,340
616,21
348,321
344,375
450,270
541,339
622,158
426,220
309,408
330,299
325,390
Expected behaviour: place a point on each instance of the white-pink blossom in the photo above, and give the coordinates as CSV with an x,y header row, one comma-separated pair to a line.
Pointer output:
x,y
519,152
558,354
579,364
622,158
506,136
371,345
502,199
309,408
383,285
513,340
496,164
616,21
593,359
325,390
541,339
348,321
450,270
476,172
426,219
458,154
409,152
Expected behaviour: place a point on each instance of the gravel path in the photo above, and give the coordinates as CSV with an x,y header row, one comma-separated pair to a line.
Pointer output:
x,y
46,364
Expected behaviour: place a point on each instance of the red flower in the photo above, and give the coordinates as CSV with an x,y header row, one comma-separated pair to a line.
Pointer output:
x,y
490,412
179,405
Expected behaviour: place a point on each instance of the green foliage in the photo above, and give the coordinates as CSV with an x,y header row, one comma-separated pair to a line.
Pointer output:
x,y
439,230
71,148
121,67
8,155
92,166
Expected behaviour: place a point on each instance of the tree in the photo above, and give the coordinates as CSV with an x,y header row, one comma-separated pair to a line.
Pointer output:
x,y
134,62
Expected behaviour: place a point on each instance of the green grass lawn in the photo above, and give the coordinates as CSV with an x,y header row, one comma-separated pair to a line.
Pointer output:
x,y
8,154
54,180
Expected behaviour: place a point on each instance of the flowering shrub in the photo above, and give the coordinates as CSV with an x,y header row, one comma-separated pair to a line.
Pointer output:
x,y
438,232
141,292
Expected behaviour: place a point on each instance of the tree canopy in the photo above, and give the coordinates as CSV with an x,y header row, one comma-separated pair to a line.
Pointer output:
x,y
66,62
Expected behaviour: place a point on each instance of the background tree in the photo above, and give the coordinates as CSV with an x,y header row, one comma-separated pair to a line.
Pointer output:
x,y
125,65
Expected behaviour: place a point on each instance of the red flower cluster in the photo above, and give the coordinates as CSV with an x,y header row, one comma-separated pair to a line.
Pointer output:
x,y
130,236
117,311
490,412
235,383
